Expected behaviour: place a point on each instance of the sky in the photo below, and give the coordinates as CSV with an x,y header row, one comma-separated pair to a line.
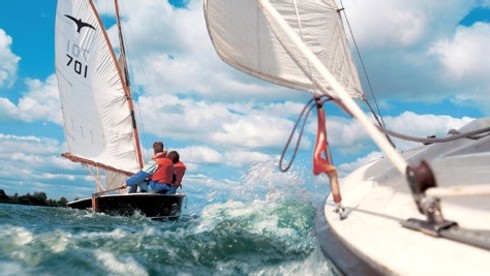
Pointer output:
x,y
427,62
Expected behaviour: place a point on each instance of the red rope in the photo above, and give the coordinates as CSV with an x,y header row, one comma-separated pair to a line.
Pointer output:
x,y
321,164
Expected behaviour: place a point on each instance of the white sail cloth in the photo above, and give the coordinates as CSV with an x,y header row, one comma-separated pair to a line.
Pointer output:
x,y
244,38
96,114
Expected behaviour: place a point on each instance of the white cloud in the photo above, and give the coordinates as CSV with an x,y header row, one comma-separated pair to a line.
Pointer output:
x,y
346,131
26,157
412,50
8,61
39,103
200,154
465,59
245,125
465,55
387,24
181,118
195,155
57,176
239,158
12,144
398,23
253,132
8,110
170,49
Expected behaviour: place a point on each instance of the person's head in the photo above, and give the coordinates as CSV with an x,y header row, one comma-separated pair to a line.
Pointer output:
x,y
174,156
158,147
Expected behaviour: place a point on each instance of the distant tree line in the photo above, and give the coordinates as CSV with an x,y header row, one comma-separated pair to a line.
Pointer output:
x,y
38,199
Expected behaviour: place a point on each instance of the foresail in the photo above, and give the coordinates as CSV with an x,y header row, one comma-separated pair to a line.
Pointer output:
x,y
114,180
97,118
244,38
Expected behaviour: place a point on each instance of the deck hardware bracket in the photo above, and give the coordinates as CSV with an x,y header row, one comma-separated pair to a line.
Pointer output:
x,y
420,179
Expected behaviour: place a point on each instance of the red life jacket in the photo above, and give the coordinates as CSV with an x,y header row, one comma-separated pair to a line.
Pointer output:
x,y
179,172
164,172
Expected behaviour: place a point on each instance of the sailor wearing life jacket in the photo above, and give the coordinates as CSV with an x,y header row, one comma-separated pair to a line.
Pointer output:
x,y
159,170
179,168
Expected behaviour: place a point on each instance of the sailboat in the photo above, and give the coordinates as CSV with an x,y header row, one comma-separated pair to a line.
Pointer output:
x,y
424,211
98,115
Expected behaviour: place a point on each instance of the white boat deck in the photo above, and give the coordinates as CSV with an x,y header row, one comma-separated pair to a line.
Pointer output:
x,y
377,199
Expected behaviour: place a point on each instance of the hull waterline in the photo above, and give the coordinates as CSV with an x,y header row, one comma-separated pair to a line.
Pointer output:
x,y
155,206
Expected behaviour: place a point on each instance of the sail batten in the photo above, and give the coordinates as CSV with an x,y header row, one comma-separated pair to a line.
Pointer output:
x,y
243,38
95,102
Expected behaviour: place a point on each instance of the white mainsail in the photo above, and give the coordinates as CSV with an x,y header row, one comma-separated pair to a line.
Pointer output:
x,y
95,100
245,39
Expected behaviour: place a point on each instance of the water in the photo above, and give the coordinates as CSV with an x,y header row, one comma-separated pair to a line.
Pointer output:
x,y
271,236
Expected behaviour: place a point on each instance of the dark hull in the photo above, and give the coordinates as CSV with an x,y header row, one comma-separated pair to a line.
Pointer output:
x,y
157,206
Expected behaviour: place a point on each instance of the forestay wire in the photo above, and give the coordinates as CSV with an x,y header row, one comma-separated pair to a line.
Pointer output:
x,y
380,118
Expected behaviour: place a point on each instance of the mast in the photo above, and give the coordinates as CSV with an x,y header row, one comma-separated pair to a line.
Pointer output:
x,y
126,84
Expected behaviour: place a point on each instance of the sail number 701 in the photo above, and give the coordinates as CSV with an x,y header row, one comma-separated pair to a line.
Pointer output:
x,y
78,67
75,53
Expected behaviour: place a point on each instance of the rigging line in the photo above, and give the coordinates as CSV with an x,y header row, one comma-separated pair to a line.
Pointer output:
x,y
379,119
122,62
308,106
475,134
342,9
380,123
141,125
96,177
303,116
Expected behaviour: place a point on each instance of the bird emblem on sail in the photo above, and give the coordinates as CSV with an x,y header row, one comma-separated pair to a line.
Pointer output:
x,y
80,23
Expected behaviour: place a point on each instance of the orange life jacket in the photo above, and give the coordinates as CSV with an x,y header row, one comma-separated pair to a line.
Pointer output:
x,y
164,172
179,172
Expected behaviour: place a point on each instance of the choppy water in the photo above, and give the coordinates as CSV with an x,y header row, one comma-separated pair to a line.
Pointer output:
x,y
235,237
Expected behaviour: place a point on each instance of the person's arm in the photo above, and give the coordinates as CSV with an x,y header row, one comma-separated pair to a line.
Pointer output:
x,y
145,173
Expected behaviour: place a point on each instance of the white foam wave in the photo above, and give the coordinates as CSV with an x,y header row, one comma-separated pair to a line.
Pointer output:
x,y
123,266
